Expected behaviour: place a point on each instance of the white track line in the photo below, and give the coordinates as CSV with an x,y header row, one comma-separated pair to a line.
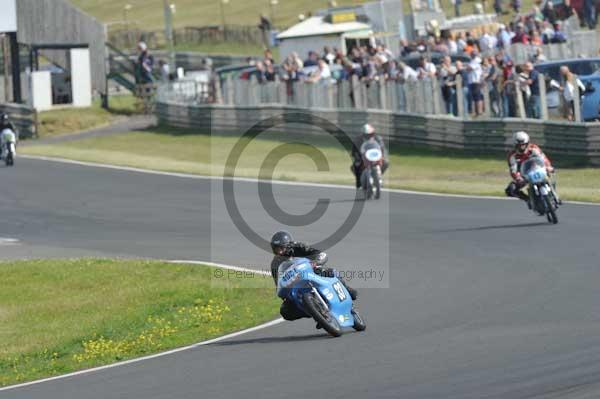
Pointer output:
x,y
278,182
169,352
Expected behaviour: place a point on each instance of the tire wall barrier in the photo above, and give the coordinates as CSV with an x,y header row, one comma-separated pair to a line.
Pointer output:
x,y
580,140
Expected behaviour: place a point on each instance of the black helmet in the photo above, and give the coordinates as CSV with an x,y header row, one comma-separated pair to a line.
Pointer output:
x,y
3,118
280,241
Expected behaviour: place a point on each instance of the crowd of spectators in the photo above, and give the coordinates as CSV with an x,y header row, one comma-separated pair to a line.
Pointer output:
x,y
481,59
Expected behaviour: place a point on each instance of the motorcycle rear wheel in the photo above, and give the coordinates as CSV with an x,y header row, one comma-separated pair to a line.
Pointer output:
x,y
321,315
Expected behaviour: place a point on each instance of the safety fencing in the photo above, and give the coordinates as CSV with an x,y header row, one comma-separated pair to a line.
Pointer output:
x,y
581,140
413,96
23,117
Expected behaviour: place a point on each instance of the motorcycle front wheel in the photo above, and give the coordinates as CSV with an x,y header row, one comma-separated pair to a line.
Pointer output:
x,y
359,322
551,210
321,314
377,182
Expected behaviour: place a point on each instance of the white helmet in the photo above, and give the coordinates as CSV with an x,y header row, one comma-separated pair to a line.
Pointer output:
x,y
521,140
368,129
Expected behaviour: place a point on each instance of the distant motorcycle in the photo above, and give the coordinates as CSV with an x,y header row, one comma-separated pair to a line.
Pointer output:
x,y
371,177
325,299
8,140
543,198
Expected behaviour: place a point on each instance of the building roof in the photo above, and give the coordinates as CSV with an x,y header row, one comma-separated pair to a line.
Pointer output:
x,y
314,26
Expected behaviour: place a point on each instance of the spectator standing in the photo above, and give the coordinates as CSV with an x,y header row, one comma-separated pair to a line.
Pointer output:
x,y
498,7
269,71
269,56
516,5
461,42
265,28
457,4
590,12
145,64
328,55
406,73
462,72
570,88
509,90
550,13
447,72
452,45
491,77
426,69
312,60
559,36
504,39
475,79
532,106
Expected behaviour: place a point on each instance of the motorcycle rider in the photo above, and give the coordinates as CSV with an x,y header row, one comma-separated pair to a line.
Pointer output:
x,y
285,248
357,161
8,133
522,152
5,123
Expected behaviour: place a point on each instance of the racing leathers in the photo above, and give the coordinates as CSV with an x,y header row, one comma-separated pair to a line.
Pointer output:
x,y
515,160
357,156
288,310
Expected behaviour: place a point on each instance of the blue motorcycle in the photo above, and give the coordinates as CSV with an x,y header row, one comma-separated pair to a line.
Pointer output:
x,y
543,197
325,299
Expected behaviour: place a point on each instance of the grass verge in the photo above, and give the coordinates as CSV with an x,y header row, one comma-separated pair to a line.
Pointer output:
x,y
203,13
58,316
186,151
70,120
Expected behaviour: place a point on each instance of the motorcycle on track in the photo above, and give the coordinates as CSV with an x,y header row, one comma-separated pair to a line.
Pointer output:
x,y
371,177
8,151
325,299
543,198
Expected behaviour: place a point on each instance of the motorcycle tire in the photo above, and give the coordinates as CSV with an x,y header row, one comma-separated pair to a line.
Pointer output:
x,y
321,315
359,322
377,182
551,210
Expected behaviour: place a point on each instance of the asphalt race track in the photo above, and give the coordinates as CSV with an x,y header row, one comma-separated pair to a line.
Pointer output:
x,y
485,300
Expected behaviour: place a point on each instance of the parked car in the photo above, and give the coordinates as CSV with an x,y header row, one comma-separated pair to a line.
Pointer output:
x,y
436,58
583,67
590,105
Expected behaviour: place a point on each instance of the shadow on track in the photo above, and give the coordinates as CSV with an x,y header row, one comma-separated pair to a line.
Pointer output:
x,y
497,227
269,340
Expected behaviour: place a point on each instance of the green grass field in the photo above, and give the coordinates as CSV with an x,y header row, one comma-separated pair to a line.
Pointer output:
x,y
58,316
414,169
70,120
148,14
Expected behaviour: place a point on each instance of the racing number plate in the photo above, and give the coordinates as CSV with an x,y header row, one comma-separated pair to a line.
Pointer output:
x,y
339,290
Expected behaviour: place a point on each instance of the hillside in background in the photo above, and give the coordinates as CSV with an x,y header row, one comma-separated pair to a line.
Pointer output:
x,y
148,14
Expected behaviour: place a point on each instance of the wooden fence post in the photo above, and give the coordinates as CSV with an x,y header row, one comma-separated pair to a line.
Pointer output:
x,y
382,94
543,100
356,92
576,100
460,97
486,100
520,104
